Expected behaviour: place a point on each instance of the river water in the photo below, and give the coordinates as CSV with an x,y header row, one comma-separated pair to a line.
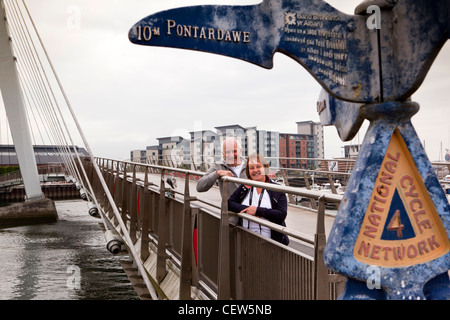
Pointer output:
x,y
65,260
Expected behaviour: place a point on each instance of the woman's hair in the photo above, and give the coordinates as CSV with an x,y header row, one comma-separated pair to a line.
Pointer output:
x,y
261,160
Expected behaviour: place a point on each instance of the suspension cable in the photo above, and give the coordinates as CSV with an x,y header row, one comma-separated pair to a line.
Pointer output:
x,y
128,240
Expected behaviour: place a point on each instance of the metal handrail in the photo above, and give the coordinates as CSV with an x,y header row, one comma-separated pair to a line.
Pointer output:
x,y
119,169
291,190
285,230
275,187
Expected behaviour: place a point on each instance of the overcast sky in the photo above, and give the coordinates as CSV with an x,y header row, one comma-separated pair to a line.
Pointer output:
x,y
125,96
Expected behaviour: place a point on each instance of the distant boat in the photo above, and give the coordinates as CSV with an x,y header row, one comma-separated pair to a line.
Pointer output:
x,y
337,185
313,187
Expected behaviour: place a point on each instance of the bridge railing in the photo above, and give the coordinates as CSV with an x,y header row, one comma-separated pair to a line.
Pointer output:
x,y
309,173
200,242
15,177
10,178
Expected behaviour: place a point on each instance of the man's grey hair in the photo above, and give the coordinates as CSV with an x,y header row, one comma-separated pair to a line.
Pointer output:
x,y
238,143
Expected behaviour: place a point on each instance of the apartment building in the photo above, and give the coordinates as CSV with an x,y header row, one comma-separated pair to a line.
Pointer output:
x,y
253,141
174,151
138,156
152,154
316,130
205,147
171,151
297,146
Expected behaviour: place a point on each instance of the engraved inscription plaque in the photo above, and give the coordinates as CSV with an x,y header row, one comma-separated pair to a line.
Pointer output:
x,y
327,42
350,60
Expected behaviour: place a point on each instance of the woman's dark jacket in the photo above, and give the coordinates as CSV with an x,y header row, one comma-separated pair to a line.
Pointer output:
x,y
276,215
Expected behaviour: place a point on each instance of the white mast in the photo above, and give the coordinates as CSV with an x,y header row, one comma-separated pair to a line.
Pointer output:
x,y
15,111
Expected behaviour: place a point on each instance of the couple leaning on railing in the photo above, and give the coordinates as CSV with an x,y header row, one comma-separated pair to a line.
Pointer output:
x,y
255,201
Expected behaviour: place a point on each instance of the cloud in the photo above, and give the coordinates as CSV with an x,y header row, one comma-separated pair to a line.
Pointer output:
x,y
125,96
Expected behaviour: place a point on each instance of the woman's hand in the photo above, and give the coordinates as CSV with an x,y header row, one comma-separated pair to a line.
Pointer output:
x,y
250,210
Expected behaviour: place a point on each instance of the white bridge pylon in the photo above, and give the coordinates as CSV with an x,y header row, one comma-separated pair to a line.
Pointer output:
x,y
15,111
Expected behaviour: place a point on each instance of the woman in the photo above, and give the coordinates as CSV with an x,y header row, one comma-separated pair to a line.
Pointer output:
x,y
266,204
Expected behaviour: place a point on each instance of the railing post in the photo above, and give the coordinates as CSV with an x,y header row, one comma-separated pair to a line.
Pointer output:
x,y
100,193
223,280
333,187
125,194
308,186
117,189
321,279
133,208
286,183
186,247
195,251
161,270
145,213
107,177
106,174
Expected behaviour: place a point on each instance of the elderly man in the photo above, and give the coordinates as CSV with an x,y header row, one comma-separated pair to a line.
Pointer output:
x,y
234,166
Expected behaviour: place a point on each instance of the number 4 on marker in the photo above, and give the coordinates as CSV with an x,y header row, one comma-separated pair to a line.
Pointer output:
x,y
396,224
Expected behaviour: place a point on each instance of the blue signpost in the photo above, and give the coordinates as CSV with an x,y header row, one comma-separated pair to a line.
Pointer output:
x,y
390,237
